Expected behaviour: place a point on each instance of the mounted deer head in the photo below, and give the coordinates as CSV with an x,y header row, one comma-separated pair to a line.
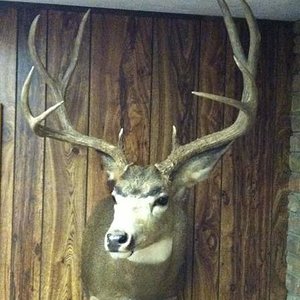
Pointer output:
x,y
134,244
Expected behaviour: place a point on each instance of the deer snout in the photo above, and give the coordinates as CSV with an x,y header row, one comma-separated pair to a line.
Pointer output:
x,y
118,241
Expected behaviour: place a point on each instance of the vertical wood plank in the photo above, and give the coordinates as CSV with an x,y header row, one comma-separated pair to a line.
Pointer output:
x,y
29,169
210,119
135,72
120,91
259,189
229,240
176,46
247,188
281,157
8,39
104,120
175,75
229,245
65,170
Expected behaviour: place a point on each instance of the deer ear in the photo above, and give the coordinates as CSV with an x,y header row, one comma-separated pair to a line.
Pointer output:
x,y
197,168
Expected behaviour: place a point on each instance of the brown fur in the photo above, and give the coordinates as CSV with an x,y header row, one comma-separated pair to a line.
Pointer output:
x,y
114,279
108,279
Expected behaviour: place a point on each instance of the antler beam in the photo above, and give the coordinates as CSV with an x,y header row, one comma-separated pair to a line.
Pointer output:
x,y
247,106
58,88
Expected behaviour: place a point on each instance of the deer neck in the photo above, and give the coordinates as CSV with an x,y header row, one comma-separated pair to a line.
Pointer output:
x,y
156,253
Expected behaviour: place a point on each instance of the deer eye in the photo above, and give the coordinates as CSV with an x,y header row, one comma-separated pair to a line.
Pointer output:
x,y
161,201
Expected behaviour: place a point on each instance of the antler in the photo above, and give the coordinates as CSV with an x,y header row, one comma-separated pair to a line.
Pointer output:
x,y
247,106
58,88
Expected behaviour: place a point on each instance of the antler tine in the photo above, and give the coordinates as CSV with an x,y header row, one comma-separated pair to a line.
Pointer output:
x,y
229,101
238,51
35,57
54,85
34,121
247,106
58,88
255,38
232,32
75,52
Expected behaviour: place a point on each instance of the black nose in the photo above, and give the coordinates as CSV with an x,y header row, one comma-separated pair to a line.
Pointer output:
x,y
116,239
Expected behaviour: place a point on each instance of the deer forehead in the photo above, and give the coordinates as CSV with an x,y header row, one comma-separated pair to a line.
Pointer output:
x,y
140,182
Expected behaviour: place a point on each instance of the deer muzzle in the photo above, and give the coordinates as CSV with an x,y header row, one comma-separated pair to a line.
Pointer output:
x,y
119,242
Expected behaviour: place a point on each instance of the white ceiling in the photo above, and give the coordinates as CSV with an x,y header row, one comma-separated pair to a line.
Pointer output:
x,y
288,10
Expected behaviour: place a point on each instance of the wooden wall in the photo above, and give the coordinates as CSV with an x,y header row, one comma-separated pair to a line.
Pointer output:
x,y
137,71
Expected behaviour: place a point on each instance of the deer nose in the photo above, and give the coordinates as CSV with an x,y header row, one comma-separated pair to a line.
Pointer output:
x,y
117,240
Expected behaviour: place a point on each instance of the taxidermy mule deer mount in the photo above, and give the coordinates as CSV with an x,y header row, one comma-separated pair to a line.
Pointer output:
x,y
135,241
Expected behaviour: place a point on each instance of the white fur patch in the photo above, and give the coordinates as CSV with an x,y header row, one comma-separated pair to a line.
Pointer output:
x,y
120,255
153,254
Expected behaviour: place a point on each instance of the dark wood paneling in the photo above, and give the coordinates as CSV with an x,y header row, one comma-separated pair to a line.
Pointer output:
x,y
137,72
175,75
282,130
247,192
8,69
229,244
260,193
210,119
120,90
29,166
247,224
104,120
65,168
175,72
135,87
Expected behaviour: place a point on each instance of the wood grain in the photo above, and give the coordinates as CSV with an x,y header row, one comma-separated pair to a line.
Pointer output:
x,y
175,75
281,167
28,187
257,278
175,72
246,212
135,85
8,68
262,188
210,118
229,243
120,91
65,170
